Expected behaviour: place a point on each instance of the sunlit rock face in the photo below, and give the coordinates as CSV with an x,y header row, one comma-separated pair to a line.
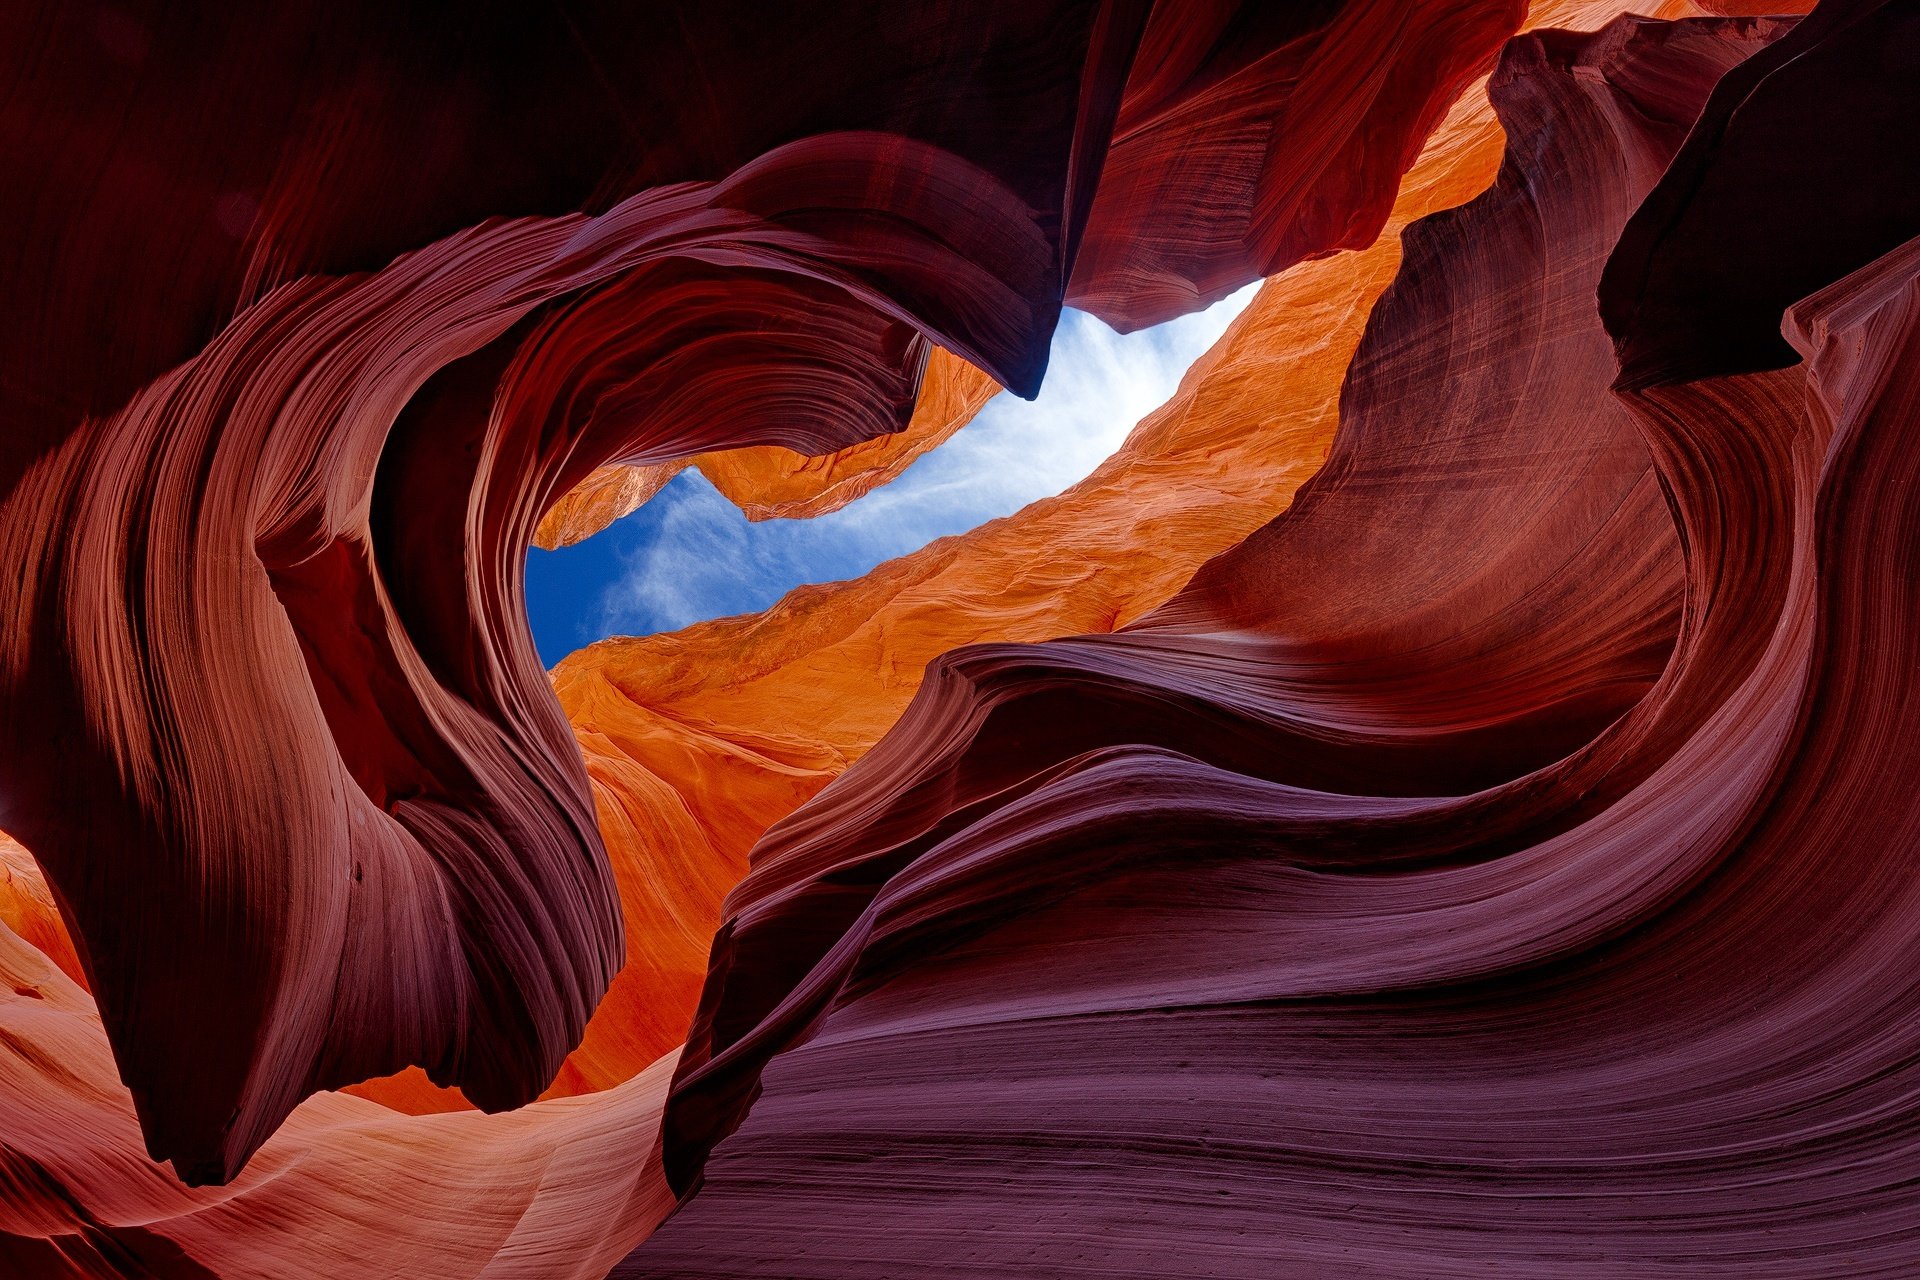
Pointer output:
x,y
28,911
1467,826
1512,836
701,740
770,482
269,483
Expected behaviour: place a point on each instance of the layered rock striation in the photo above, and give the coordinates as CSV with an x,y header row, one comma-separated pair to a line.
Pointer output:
x,y
278,448
1449,877
1490,849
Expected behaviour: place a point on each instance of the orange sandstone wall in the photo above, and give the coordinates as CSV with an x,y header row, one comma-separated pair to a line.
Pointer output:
x,y
768,481
700,740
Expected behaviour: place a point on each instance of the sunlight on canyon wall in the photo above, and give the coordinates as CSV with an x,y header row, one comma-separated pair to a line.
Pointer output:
x,y
1437,799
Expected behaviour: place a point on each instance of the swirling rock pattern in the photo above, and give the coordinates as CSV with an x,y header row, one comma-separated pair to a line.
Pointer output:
x,y
1281,953
770,482
1497,858
270,483
345,1189
657,718
415,876
699,741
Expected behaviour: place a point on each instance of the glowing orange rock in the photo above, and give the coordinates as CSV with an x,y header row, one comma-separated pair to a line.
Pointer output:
x,y
767,481
27,908
770,482
699,740
600,499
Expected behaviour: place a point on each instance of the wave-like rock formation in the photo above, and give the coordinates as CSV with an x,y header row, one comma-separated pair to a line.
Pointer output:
x,y
770,482
1493,854
297,387
670,727
1538,899
697,742
345,1189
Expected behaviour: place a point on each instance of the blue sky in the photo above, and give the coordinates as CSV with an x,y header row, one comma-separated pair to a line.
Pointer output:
x,y
689,554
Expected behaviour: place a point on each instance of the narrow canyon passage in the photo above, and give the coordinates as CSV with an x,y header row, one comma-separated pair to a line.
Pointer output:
x,y
689,554
1249,423
564,718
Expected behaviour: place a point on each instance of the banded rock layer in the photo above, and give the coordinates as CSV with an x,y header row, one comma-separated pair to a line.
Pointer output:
x,y
1497,860
345,1189
700,740
268,484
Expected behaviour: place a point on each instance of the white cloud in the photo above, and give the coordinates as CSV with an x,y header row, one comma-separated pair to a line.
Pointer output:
x,y
689,554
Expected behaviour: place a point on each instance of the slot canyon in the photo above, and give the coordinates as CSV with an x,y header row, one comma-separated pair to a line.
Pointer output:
x,y
1440,798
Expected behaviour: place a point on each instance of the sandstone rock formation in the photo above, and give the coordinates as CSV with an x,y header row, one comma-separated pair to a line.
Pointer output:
x,y
345,1189
770,482
1491,851
28,910
277,451
1305,943
699,741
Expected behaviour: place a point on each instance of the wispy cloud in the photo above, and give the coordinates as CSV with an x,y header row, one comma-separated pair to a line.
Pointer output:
x,y
689,554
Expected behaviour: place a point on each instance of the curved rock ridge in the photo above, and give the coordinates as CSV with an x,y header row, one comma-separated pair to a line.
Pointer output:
x,y
27,909
699,741
415,875
406,757
275,456
1253,109
607,494
1542,901
1268,114
1751,216
658,717
771,482
346,1189
1293,121
1536,902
